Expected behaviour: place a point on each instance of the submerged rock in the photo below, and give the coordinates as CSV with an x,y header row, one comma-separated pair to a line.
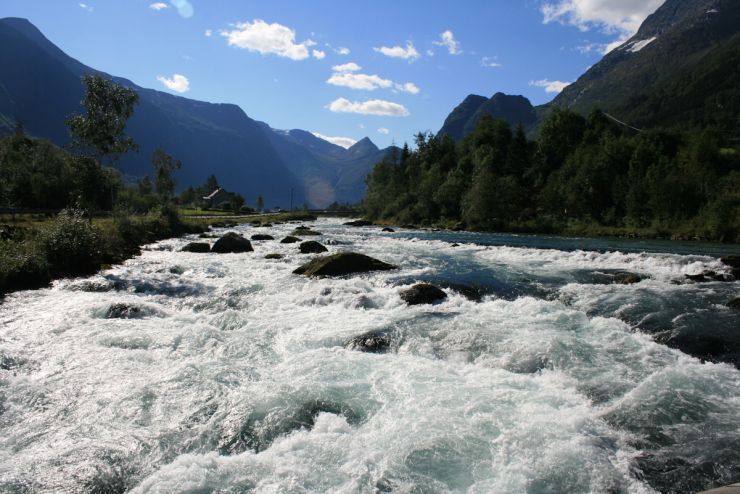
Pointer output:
x,y
262,428
199,247
306,233
342,264
707,276
626,278
312,247
423,293
389,230
232,243
262,236
372,342
359,223
290,239
274,256
123,311
302,227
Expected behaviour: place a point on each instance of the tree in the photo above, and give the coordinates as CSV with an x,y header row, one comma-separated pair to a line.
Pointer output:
x,y
260,203
100,132
164,168
237,201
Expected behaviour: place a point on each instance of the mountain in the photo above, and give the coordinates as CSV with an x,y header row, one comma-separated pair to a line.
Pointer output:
x,y
681,69
329,172
513,109
40,86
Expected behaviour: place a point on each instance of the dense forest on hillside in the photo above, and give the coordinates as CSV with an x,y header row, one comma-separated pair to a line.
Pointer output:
x,y
582,175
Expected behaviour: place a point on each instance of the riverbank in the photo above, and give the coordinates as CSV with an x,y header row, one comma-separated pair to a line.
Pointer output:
x,y
35,252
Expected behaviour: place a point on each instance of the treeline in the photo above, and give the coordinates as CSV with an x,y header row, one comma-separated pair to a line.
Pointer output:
x,y
581,176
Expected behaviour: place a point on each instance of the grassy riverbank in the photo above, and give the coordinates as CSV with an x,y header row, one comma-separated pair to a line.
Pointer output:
x,y
36,251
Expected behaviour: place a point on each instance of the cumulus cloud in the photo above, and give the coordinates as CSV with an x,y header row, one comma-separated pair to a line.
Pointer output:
x,y
265,38
342,51
345,142
371,107
158,6
358,81
184,8
346,67
550,86
318,54
448,40
408,87
408,53
490,62
384,131
177,82
621,17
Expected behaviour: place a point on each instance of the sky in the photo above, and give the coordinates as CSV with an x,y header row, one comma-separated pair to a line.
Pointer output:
x,y
346,69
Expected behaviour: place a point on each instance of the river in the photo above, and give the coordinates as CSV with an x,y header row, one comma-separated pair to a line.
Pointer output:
x,y
537,374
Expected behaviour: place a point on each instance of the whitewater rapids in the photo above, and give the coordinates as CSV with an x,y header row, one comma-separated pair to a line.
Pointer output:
x,y
234,375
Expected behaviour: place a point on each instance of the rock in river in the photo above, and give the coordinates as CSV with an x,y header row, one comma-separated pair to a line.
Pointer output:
x,y
290,239
262,236
312,247
372,342
123,311
232,243
359,223
199,247
423,293
342,263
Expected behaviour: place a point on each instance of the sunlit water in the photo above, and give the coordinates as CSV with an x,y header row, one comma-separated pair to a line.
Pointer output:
x,y
235,375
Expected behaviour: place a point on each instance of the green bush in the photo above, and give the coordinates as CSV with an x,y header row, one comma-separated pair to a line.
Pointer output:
x,y
71,244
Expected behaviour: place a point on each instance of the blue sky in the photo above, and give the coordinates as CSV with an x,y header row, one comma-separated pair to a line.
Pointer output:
x,y
342,69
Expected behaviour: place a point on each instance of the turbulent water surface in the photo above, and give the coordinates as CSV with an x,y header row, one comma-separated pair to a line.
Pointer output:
x,y
231,374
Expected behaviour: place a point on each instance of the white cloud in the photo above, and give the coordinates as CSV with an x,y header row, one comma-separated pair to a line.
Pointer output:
x,y
550,86
345,142
342,51
318,54
408,53
620,17
490,62
209,33
359,81
346,67
409,87
371,107
448,40
184,8
383,131
178,83
158,6
85,6
265,38
430,53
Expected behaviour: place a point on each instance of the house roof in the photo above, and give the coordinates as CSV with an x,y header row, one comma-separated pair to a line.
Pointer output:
x,y
213,194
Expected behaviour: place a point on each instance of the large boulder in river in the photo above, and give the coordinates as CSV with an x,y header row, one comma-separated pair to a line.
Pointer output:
x,y
312,247
626,278
372,342
232,243
290,239
199,247
262,236
423,293
341,264
359,223
306,233
123,311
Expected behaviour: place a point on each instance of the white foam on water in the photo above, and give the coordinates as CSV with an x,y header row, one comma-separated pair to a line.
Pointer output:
x,y
498,396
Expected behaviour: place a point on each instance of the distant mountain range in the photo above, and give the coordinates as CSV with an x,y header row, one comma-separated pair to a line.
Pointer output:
x,y
40,86
681,70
